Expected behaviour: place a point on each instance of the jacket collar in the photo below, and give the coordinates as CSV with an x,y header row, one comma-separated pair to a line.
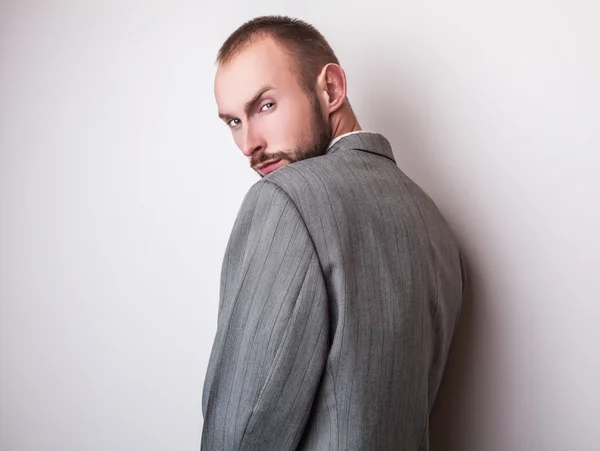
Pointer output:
x,y
374,143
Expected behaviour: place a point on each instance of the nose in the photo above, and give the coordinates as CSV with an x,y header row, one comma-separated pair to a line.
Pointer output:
x,y
252,142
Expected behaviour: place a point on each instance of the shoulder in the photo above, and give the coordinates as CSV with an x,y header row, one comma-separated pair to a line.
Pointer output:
x,y
307,178
293,190
265,196
271,200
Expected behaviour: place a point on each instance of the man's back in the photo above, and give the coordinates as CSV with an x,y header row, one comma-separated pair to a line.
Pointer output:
x,y
387,288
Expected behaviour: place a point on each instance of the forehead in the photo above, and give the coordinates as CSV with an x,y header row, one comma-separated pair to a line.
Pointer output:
x,y
261,63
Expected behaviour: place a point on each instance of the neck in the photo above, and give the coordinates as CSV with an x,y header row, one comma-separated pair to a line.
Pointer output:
x,y
343,121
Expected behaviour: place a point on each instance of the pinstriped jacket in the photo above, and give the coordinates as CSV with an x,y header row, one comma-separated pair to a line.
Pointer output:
x,y
340,289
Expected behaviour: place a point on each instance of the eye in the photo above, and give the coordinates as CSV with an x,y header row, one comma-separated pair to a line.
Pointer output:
x,y
267,106
234,122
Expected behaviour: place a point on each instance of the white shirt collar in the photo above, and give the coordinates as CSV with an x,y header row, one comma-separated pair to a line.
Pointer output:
x,y
341,136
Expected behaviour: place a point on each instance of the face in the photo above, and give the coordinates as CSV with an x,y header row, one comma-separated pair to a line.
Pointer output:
x,y
273,120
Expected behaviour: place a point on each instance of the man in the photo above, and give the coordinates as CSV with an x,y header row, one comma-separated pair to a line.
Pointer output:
x,y
341,283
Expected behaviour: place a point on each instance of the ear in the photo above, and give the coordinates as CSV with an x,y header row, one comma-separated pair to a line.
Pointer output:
x,y
331,88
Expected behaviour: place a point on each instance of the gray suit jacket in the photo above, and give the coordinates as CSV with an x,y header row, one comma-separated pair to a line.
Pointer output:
x,y
341,286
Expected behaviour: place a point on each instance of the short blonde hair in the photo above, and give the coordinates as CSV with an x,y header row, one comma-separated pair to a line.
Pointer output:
x,y
305,45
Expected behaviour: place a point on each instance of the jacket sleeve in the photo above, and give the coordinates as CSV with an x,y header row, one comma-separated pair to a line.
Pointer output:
x,y
272,338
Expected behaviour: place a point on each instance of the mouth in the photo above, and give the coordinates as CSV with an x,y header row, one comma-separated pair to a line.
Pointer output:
x,y
269,166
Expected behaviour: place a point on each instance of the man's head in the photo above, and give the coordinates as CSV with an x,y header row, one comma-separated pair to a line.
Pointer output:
x,y
280,89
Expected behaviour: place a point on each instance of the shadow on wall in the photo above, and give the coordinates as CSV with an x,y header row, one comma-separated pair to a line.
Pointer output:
x,y
392,115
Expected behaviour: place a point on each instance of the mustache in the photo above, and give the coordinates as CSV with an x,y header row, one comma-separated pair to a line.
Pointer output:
x,y
255,160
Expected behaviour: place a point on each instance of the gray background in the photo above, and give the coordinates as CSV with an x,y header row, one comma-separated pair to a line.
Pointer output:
x,y
119,186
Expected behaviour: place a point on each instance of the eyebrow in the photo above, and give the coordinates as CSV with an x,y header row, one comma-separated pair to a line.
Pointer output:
x,y
249,107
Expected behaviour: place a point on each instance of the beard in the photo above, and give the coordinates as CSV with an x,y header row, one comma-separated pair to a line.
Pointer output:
x,y
319,137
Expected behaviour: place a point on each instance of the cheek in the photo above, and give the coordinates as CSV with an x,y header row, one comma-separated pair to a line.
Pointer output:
x,y
276,127
287,124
